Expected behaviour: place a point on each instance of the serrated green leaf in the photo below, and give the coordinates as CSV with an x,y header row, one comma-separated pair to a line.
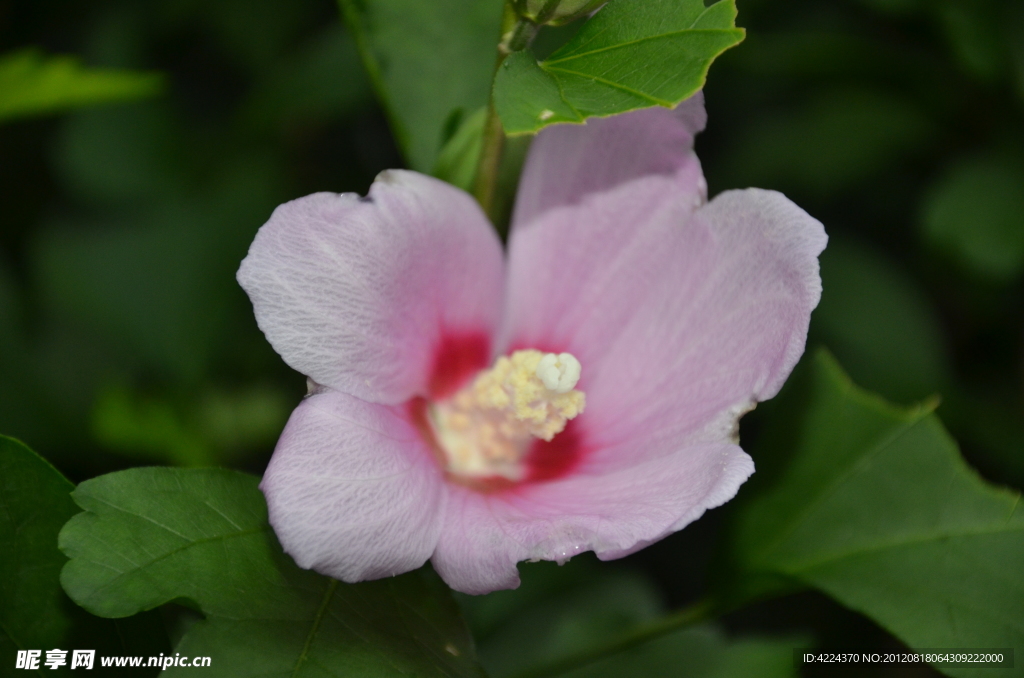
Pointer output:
x,y
149,536
631,54
428,61
35,501
876,508
33,84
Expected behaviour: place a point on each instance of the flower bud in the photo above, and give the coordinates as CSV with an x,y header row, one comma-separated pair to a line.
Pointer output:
x,y
556,12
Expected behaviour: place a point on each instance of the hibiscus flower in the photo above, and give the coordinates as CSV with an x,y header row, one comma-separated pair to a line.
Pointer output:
x,y
579,392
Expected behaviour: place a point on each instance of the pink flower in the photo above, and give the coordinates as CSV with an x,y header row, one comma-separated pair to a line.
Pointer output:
x,y
678,315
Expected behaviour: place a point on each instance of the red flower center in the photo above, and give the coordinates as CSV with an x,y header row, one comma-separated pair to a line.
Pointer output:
x,y
462,436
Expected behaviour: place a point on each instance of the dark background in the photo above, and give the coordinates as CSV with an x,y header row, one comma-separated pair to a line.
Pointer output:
x,y
124,339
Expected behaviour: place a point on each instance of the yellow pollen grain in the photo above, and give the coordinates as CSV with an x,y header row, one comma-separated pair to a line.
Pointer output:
x,y
486,428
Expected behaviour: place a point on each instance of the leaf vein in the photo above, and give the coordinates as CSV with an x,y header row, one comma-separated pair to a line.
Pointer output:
x,y
615,85
630,43
178,550
893,544
841,478
331,588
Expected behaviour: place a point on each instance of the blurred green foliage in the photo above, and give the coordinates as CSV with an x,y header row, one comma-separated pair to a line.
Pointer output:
x,y
558,611
459,157
31,84
882,323
899,124
705,652
124,339
975,215
430,64
561,613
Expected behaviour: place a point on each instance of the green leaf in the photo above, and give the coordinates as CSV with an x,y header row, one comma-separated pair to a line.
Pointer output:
x,y
460,156
540,583
884,329
631,54
35,501
975,215
876,507
578,616
33,84
570,620
697,653
149,536
428,61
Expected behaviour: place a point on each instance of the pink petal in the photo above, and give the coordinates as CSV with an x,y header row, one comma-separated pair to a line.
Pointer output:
x,y
484,536
352,490
681,320
568,162
364,294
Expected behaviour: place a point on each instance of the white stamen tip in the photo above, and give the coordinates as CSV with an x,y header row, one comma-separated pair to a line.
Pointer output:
x,y
560,373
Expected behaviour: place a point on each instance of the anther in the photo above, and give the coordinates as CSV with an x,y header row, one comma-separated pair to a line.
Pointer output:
x,y
487,427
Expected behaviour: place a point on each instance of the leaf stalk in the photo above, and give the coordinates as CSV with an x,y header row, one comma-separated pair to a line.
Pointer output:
x,y
516,35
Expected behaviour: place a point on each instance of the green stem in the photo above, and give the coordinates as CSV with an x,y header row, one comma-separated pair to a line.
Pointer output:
x,y
700,611
547,11
519,38
516,35
486,184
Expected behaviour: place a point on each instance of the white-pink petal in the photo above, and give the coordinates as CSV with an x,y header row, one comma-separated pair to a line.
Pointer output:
x,y
568,162
352,490
682,320
613,514
359,293
722,328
